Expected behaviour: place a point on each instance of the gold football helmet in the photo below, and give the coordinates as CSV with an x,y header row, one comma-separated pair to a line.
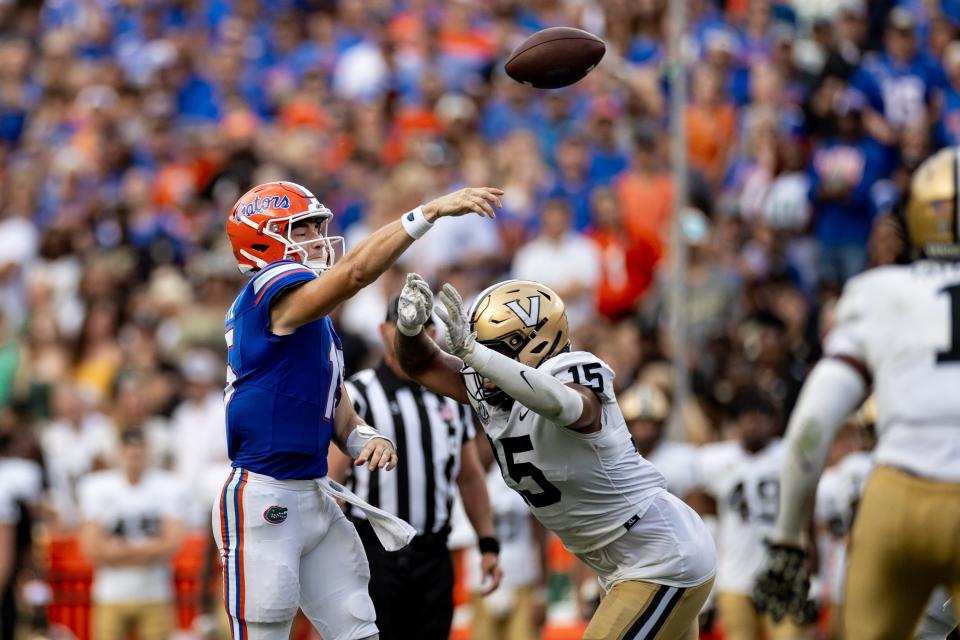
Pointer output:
x,y
520,319
644,402
931,210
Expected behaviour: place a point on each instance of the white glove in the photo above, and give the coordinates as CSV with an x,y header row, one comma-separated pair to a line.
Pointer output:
x,y
459,337
415,306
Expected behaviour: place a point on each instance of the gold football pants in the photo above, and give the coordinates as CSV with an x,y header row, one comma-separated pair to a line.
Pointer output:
x,y
905,542
741,621
638,609
148,620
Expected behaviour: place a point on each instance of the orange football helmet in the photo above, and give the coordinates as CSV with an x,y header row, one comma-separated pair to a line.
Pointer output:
x,y
261,224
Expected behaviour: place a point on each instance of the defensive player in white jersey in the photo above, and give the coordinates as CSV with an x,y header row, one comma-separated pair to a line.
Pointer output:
x,y
561,442
646,409
737,480
900,326
838,496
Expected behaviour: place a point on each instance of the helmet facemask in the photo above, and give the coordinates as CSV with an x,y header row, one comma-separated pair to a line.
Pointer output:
x,y
282,230
495,397
522,320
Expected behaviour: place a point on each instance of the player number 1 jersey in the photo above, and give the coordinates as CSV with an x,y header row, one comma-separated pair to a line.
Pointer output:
x,y
903,324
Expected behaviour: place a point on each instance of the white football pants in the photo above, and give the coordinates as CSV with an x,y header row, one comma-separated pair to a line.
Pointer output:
x,y
285,544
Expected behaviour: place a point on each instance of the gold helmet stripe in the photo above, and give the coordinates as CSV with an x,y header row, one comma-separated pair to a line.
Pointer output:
x,y
482,296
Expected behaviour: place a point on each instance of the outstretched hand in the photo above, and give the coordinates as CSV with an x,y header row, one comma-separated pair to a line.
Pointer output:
x,y
415,305
479,200
450,311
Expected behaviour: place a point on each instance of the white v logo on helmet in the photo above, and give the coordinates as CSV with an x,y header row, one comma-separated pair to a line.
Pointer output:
x,y
529,318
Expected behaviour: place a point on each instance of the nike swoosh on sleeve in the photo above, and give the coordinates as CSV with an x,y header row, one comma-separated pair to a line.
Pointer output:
x,y
524,376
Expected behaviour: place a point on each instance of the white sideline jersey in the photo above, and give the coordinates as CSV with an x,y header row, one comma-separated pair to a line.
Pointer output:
x,y
675,460
746,488
21,482
838,493
584,487
134,513
903,323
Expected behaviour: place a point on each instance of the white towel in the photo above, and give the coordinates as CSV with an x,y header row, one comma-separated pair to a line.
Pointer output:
x,y
394,534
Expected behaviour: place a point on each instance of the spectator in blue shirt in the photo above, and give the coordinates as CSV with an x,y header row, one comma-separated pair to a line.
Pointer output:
x,y
948,127
843,170
508,109
607,156
572,182
554,122
900,81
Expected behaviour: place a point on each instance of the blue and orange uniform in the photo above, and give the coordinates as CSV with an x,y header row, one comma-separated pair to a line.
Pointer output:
x,y
285,545
282,390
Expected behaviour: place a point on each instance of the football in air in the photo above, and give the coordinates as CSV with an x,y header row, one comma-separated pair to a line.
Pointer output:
x,y
555,57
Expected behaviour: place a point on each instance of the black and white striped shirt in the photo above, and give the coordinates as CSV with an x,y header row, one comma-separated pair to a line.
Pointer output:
x,y
429,431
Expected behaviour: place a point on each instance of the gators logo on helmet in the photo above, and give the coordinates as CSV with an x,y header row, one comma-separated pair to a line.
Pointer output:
x,y
261,224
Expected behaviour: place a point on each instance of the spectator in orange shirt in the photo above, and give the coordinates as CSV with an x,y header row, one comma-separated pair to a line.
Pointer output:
x,y
711,122
626,264
645,191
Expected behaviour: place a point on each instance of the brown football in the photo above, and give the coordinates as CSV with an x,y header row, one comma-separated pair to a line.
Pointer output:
x,y
555,57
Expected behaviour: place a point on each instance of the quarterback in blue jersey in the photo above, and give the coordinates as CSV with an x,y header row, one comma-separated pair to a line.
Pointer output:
x,y
283,540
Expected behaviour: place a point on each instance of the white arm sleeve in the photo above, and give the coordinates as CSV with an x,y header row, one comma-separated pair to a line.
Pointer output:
x,y
832,392
538,391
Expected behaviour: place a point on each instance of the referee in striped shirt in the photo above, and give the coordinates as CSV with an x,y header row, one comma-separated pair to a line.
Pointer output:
x,y
412,589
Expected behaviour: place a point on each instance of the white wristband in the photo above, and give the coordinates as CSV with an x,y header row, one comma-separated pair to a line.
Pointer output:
x,y
415,223
360,436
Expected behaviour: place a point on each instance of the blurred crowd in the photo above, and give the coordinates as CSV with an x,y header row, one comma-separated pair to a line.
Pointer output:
x,y
128,128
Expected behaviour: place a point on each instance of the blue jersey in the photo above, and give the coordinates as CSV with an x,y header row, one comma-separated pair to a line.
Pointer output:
x,y
281,390
901,91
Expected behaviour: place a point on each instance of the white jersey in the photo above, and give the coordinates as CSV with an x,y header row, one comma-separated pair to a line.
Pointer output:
x,y
839,491
838,494
584,487
514,529
903,323
746,488
675,460
133,512
22,479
